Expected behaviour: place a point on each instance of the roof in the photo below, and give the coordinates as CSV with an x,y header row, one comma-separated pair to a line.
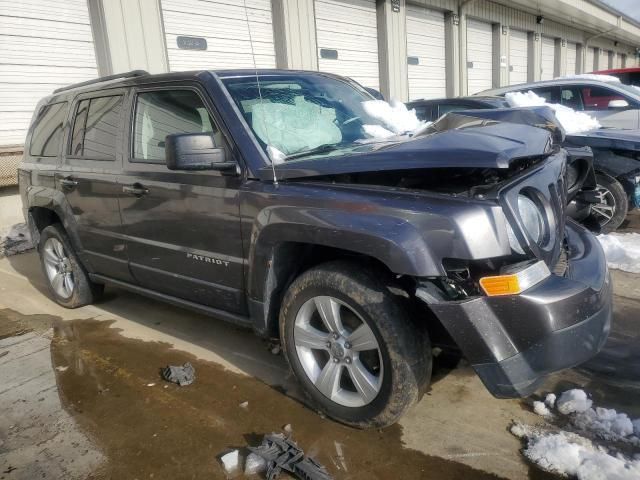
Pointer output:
x,y
552,83
619,70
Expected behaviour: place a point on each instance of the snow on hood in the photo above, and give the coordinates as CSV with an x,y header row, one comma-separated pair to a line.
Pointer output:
x,y
395,116
589,446
573,122
622,251
591,76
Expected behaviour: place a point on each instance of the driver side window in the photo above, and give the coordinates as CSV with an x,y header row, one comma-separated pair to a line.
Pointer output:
x,y
167,112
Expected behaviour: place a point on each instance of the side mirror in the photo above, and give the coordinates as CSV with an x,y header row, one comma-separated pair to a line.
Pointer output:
x,y
195,151
618,104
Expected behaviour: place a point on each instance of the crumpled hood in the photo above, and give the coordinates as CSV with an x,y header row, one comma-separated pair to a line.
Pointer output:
x,y
613,138
469,143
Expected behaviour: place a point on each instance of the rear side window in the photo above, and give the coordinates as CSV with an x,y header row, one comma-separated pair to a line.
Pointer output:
x,y
47,130
95,128
167,112
598,98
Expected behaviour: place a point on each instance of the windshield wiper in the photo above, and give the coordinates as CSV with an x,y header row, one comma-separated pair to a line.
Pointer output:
x,y
328,147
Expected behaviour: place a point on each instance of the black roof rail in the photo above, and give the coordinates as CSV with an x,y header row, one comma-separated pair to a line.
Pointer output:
x,y
133,73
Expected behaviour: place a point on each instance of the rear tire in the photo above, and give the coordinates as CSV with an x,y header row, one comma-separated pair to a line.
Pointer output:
x,y
67,279
612,210
373,364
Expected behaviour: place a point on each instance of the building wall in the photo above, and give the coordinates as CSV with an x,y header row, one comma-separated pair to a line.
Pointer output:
x,y
132,34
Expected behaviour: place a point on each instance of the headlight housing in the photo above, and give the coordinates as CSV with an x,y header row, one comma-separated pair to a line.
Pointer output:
x,y
532,220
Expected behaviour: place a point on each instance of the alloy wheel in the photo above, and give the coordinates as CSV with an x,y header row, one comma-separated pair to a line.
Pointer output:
x,y
58,268
606,208
338,351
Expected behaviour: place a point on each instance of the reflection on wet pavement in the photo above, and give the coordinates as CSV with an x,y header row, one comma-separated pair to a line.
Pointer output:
x,y
149,428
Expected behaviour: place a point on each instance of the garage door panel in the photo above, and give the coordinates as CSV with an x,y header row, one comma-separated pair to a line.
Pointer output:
x,y
44,44
479,56
518,57
224,26
425,42
572,56
548,56
350,27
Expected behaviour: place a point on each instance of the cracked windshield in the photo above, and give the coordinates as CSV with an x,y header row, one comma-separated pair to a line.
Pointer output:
x,y
295,117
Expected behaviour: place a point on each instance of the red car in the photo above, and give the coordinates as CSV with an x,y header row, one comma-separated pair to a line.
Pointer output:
x,y
628,76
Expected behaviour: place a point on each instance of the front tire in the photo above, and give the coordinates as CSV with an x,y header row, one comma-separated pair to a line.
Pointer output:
x,y
66,278
352,345
614,203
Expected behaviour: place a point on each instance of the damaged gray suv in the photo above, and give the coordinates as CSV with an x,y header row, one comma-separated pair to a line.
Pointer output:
x,y
263,199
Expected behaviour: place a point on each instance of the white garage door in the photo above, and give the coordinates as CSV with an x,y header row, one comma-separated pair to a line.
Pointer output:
x,y
603,59
572,50
479,56
548,58
590,59
44,44
348,39
203,34
426,53
518,57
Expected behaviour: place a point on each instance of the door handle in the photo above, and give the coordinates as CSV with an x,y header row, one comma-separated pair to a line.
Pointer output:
x,y
136,189
68,182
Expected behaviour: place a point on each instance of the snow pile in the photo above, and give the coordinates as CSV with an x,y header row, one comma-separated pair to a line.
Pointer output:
x,y
583,453
573,401
569,454
622,251
254,464
591,76
541,409
395,116
573,122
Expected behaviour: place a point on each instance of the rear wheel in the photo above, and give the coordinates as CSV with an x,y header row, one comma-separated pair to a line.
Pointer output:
x,y
613,204
67,279
351,344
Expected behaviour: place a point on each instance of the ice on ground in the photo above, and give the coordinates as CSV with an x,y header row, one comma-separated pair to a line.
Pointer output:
x,y
572,401
550,400
395,116
231,461
568,454
594,450
573,122
541,409
591,76
604,422
254,464
622,251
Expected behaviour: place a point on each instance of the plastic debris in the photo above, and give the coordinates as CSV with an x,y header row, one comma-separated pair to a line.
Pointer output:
x,y
182,375
254,464
244,405
62,368
231,462
281,453
287,428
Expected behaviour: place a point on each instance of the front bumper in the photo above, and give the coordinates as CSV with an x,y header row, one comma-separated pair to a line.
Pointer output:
x,y
512,342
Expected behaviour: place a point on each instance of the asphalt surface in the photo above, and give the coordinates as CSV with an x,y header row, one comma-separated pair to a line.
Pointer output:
x,y
82,396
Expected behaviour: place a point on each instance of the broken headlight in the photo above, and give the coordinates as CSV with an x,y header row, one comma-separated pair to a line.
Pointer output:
x,y
533,222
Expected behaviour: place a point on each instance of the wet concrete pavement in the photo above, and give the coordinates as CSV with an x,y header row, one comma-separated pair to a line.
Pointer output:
x,y
109,356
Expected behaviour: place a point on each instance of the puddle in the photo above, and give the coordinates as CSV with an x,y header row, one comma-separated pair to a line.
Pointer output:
x,y
167,431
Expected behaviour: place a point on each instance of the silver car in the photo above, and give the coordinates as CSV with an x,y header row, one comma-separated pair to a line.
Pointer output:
x,y
612,103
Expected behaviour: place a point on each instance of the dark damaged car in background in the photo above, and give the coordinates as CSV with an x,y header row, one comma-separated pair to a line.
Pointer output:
x,y
264,199
615,152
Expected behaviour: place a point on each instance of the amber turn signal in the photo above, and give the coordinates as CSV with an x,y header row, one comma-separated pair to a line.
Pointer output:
x,y
515,283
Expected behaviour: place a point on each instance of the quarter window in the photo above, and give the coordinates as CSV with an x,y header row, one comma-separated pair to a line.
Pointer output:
x,y
47,130
95,128
167,112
